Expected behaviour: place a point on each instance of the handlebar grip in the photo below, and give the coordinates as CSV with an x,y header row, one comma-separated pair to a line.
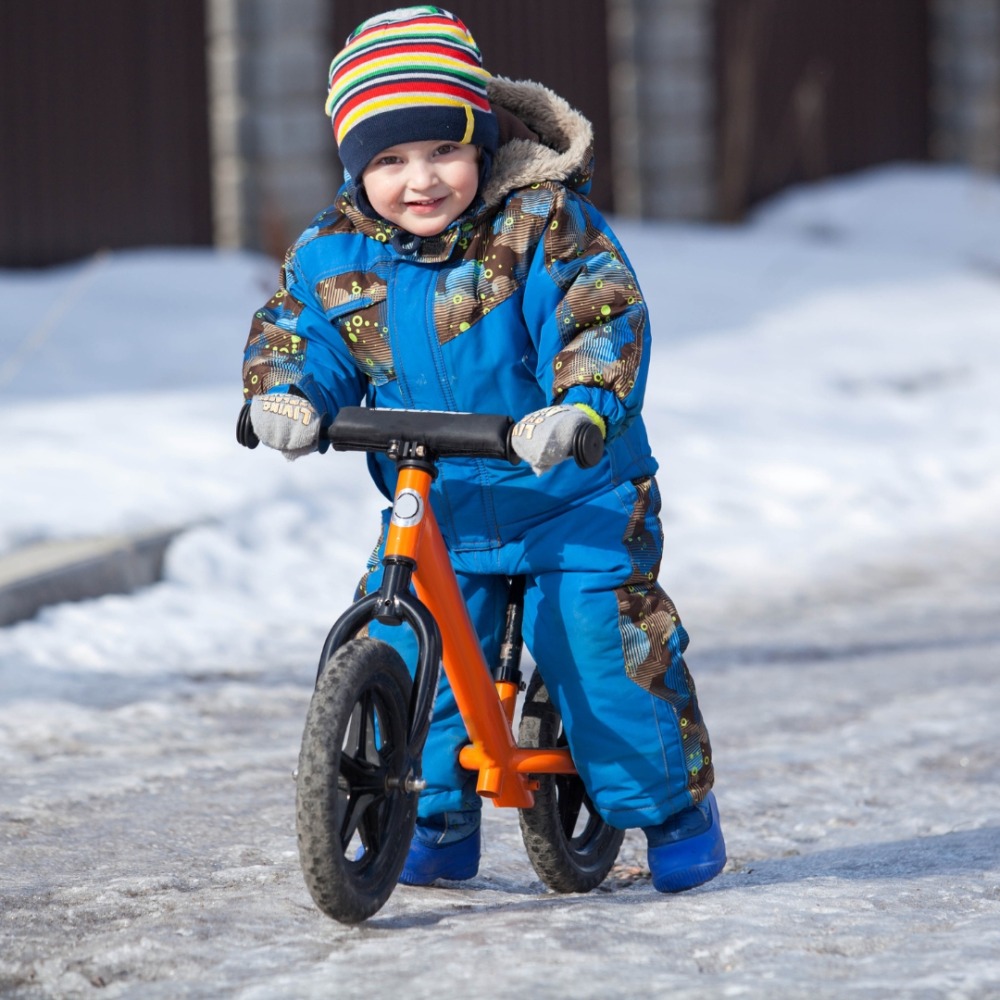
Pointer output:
x,y
245,433
588,445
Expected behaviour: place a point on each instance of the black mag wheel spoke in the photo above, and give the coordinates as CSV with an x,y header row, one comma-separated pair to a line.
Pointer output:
x,y
570,793
360,777
371,826
366,745
356,806
571,796
367,736
354,737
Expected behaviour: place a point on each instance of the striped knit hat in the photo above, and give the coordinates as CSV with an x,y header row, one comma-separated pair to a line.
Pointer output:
x,y
408,75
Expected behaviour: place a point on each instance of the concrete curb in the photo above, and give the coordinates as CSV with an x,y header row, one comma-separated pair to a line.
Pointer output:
x,y
54,572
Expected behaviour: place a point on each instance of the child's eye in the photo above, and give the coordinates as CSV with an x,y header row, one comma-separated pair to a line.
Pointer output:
x,y
386,161
448,147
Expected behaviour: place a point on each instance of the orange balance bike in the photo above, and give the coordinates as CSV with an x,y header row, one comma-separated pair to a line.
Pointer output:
x,y
359,775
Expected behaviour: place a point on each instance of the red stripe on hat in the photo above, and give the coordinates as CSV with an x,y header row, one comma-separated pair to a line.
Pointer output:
x,y
414,83
406,87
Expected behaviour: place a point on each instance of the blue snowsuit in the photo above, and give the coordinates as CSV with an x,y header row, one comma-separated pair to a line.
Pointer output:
x,y
524,301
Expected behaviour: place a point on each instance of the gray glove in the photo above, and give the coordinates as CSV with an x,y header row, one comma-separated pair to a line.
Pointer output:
x,y
545,438
287,422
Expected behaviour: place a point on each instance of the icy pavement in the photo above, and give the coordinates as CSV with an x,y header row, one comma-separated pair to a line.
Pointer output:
x,y
147,846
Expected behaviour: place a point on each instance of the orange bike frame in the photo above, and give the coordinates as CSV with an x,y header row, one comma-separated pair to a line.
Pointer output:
x,y
486,707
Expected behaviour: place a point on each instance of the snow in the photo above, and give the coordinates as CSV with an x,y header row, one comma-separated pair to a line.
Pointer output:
x,y
823,400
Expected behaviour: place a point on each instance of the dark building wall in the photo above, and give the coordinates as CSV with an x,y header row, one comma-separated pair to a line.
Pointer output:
x,y
810,89
103,128
104,106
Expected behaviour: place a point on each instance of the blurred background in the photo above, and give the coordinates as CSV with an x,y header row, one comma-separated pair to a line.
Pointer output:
x,y
200,122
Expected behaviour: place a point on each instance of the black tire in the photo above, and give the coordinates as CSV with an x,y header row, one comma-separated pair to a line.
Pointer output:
x,y
569,845
350,790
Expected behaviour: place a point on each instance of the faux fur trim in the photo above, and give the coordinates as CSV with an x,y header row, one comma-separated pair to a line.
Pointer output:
x,y
565,149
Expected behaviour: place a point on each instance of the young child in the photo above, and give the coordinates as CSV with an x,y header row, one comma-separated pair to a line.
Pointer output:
x,y
462,268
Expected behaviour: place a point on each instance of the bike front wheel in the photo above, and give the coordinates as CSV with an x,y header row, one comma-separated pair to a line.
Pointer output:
x,y
569,845
354,814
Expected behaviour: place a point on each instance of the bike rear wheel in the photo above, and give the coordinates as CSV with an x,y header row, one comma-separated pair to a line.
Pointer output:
x,y
569,845
354,816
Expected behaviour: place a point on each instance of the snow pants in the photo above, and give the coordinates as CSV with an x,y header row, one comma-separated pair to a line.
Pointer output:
x,y
609,645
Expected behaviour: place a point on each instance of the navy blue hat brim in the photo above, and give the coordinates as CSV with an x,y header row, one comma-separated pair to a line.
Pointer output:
x,y
414,124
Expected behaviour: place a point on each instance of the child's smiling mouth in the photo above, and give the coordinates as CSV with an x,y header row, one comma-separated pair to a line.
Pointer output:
x,y
425,206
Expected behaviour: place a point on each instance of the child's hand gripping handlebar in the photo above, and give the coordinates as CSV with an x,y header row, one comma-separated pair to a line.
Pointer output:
x,y
431,434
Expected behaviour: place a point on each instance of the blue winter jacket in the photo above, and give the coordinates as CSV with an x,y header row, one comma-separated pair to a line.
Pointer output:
x,y
526,300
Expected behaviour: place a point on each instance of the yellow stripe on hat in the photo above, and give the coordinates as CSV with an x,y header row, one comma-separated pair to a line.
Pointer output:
x,y
406,101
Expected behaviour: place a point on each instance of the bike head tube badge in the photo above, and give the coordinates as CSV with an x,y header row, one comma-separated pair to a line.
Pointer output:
x,y
407,508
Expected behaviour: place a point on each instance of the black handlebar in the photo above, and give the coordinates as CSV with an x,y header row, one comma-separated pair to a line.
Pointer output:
x,y
440,434
444,435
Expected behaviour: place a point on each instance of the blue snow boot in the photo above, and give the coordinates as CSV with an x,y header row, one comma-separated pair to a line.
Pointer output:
x,y
444,846
686,849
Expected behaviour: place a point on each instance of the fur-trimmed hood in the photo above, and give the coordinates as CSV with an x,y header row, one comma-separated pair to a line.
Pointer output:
x,y
563,150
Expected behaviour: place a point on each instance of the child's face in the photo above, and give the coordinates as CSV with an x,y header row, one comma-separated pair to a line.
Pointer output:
x,y
422,187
